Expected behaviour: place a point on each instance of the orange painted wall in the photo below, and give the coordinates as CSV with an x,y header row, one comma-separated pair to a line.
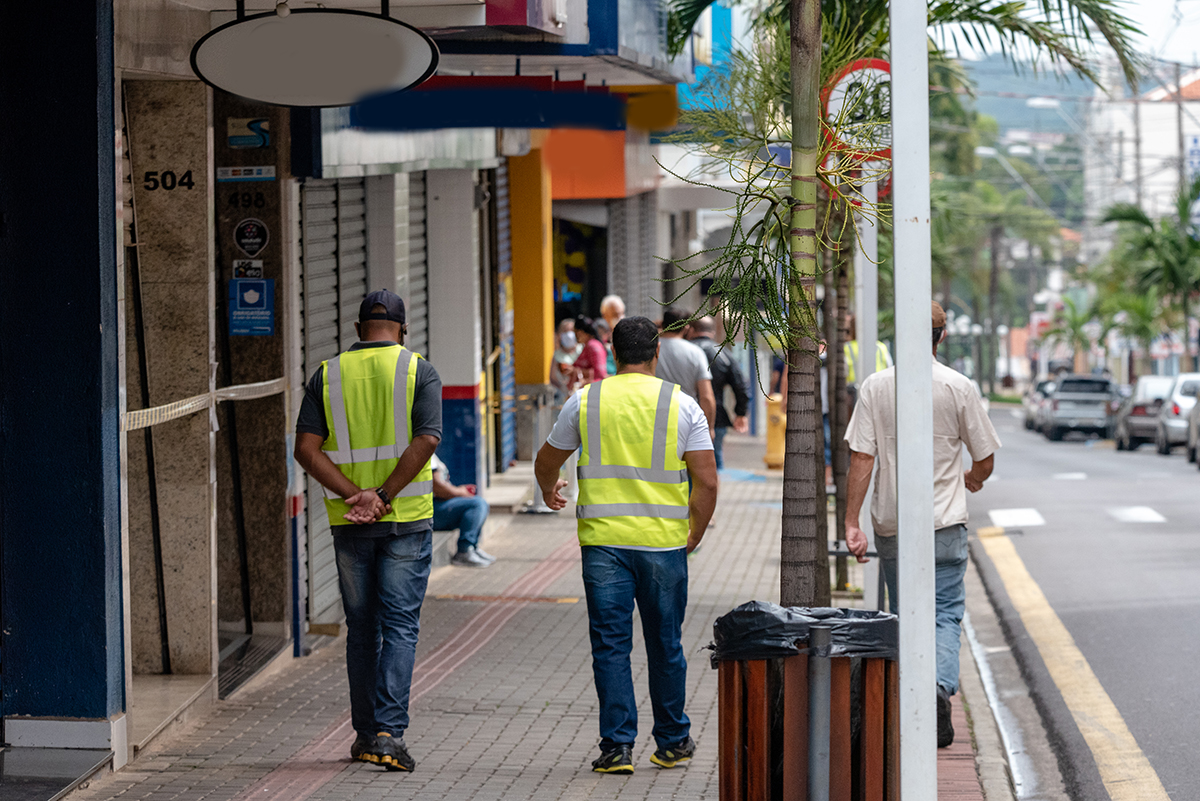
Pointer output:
x,y
586,164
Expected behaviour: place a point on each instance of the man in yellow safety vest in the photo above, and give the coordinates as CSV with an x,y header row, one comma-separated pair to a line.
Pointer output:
x,y
370,421
640,437
883,358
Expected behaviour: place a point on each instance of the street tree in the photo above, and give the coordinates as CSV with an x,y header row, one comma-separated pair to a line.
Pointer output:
x,y
1168,250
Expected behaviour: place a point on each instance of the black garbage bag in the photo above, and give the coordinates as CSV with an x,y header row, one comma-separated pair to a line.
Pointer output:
x,y
763,630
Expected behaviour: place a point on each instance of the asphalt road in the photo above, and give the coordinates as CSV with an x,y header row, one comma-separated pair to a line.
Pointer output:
x,y
1127,591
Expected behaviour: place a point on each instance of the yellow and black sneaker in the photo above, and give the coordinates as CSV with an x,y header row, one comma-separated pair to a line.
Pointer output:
x,y
361,750
615,760
390,752
670,757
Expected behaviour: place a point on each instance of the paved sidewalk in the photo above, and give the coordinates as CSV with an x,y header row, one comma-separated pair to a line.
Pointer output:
x,y
503,703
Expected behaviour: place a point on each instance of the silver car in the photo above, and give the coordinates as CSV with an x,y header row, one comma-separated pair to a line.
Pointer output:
x,y
1033,398
1173,417
1137,417
1078,403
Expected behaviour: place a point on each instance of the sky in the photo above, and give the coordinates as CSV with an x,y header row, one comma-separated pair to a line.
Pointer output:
x,y
1171,27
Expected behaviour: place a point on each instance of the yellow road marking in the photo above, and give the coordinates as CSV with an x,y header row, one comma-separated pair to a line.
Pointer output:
x,y
1124,769
989,531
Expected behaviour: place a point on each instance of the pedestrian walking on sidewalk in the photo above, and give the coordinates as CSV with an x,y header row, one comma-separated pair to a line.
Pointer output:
x,y
725,373
958,419
683,363
641,438
369,423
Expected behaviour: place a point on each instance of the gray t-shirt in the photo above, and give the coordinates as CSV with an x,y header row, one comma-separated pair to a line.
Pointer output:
x,y
682,363
426,419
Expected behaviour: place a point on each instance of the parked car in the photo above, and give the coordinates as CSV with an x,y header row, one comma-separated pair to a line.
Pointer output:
x,y
1078,403
1173,415
1193,440
1137,418
1033,398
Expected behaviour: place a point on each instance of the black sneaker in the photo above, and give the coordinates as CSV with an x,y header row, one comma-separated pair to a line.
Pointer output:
x,y
670,757
945,727
361,750
617,760
390,752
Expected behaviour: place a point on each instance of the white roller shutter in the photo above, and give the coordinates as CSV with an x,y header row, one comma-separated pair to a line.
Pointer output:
x,y
333,259
417,311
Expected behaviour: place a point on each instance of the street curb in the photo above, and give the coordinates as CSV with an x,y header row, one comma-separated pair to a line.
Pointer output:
x,y
1078,769
991,761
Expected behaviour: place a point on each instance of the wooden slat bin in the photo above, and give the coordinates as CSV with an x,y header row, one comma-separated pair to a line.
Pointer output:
x,y
763,709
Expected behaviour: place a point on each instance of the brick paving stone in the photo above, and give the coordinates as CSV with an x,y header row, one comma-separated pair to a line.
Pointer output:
x,y
519,718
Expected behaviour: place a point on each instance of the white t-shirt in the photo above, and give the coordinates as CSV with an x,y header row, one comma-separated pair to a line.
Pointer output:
x,y
693,425
958,419
683,363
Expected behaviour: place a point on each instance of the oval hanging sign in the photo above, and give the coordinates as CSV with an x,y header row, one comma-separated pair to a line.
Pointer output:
x,y
314,57
858,108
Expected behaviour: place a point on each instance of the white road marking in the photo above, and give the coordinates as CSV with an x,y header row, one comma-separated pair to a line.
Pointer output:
x,y
1017,415
1069,476
1136,514
1016,518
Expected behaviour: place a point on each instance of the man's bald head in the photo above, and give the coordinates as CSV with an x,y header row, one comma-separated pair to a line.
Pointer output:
x,y
704,327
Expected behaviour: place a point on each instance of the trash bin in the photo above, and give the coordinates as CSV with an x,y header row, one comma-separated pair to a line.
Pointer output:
x,y
775,664
776,428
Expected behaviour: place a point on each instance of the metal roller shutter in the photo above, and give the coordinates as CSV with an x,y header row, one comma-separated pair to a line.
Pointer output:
x,y
333,259
417,311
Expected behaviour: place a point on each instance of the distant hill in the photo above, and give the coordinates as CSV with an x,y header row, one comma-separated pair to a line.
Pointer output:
x,y
996,74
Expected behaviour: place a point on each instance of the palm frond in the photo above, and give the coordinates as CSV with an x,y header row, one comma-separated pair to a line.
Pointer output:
x,y
1127,213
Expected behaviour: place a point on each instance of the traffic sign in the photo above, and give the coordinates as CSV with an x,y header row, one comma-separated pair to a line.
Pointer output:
x,y
857,103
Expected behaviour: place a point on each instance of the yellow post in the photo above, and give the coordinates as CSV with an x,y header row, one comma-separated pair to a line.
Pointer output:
x,y
776,427
533,266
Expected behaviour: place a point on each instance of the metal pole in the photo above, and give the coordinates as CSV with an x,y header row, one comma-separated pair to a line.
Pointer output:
x,y
914,398
1179,130
818,713
866,315
1137,147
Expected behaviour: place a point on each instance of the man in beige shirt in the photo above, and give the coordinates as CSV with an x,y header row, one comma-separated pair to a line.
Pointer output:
x,y
958,419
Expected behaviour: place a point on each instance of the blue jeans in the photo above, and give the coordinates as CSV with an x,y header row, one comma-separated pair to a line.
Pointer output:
x,y
828,440
465,514
383,582
950,565
718,443
614,579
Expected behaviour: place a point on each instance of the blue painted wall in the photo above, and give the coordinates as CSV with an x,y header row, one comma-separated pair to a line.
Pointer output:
x,y
722,33
460,445
60,528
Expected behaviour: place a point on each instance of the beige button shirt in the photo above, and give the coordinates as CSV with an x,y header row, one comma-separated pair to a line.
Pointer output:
x,y
958,419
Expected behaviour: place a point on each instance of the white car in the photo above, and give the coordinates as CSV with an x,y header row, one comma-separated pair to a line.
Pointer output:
x,y
1173,417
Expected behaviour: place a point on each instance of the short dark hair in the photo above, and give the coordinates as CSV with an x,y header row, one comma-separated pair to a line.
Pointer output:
x,y
672,315
635,340
937,336
585,325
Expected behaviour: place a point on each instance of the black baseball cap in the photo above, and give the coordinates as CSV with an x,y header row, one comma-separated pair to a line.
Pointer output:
x,y
390,301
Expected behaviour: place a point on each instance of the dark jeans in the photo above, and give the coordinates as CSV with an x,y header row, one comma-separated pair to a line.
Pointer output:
x,y
465,514
718,445
950,566
614,579
383,582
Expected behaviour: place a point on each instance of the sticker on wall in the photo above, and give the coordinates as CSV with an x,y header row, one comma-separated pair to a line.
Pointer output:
x,y
251,236
228,174
245,134
252,307
247,268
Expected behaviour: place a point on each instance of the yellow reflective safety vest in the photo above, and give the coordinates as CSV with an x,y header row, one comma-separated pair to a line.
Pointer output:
x,y
633,486
369,395
883,359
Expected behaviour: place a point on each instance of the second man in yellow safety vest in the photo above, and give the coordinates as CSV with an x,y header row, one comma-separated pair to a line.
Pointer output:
x,y
640,438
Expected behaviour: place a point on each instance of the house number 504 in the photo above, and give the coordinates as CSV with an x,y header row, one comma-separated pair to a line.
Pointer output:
x,y
167,180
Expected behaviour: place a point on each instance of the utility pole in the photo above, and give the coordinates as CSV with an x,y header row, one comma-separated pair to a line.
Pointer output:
x,y
1137,147
1183,182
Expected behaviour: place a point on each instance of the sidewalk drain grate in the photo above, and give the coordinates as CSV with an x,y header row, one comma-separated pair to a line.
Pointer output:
x,y
545,599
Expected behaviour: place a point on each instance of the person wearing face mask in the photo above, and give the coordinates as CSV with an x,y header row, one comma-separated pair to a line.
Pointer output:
x,y
562,366
592,364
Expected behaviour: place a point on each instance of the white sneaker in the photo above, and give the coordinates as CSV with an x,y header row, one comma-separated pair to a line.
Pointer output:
x,y
484,554
469,559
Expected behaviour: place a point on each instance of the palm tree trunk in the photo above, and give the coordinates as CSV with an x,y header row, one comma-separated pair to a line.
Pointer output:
x,y
838,408
988,354
802,551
